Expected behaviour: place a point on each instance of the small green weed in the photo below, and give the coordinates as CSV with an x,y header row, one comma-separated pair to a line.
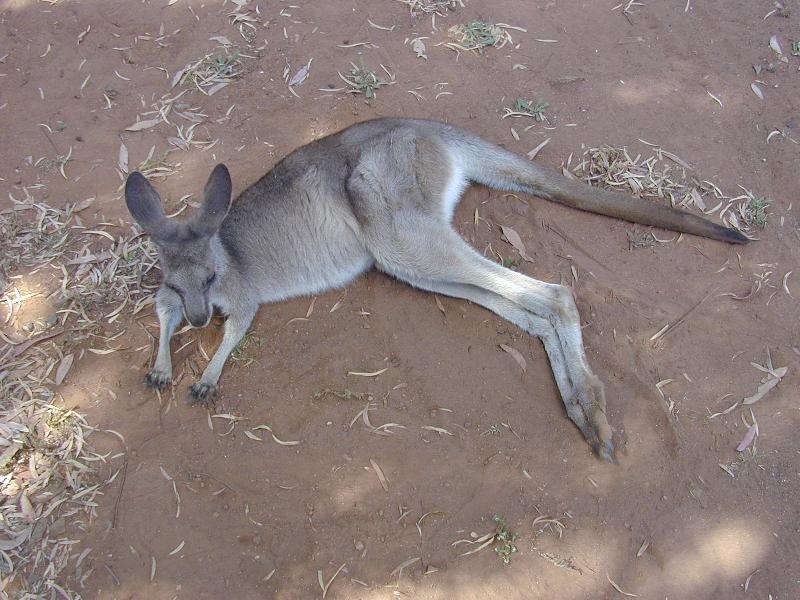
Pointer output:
x,y
342,394
153,163
739,464
640,239
755,212
239,353
504,539
364,81
529,107
477,35
224,64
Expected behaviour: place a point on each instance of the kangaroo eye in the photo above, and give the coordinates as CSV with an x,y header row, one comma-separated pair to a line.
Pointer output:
x,y
211,280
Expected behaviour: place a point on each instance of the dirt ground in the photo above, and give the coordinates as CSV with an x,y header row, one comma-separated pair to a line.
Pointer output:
x,y
210,506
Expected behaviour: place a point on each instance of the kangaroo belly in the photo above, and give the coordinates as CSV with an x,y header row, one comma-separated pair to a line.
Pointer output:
x,y
312,248
331,269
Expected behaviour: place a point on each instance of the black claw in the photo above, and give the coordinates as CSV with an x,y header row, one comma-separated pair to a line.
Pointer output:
x,y
203,394
605,451
157,380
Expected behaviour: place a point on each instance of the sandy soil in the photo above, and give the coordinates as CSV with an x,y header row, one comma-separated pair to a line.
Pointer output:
x,y
258,519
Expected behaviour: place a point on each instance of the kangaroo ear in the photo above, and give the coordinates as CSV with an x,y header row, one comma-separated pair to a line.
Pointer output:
x,y
144,204
216,204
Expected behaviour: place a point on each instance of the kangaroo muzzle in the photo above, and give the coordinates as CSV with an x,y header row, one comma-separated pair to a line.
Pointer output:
x,y
197,314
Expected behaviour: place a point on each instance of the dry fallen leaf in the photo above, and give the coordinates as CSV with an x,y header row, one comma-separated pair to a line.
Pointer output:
x,y
698,199
516,356
326,586
513,238
63,368
439,304
217,87
381,27
178,548
275,438
748,439
140,125
419,48
221,39
381,476
437,429
14,543
176,78
757,91
619,589
533,153
713,97
123,158
300,77
26,507
398,570
775,44
84,204
766,386
373,374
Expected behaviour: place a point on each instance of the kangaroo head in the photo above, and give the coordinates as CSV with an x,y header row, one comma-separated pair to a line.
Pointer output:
x,y
188,251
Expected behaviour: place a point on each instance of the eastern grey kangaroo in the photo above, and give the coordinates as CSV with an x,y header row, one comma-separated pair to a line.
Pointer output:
x,y
377,194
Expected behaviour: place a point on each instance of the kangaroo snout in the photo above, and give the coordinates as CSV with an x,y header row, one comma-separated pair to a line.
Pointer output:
x,y
197,315
198,321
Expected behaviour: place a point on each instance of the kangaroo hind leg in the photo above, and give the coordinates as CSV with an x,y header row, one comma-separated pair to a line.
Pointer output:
x,y
397,195
432,256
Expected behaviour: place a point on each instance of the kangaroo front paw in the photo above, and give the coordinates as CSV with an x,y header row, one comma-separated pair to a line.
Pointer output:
x,y
202,393
158,379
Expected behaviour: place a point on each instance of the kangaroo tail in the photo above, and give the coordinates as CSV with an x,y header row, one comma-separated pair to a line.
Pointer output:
x,y
495,167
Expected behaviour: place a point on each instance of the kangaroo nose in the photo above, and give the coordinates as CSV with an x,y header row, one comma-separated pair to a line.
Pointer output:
x,y
199,322
196,310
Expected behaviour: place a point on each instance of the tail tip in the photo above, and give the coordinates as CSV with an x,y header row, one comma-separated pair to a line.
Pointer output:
x,y
733,236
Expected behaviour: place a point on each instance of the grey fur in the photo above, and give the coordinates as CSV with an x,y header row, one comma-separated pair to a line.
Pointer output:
x,y
381,193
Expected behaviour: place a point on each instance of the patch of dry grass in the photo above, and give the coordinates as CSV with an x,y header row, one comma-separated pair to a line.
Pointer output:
x,y
49,474
48,479
432,6
213,71
474,36
28,243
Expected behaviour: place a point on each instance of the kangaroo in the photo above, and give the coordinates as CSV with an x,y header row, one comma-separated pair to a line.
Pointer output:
x,y
378,194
